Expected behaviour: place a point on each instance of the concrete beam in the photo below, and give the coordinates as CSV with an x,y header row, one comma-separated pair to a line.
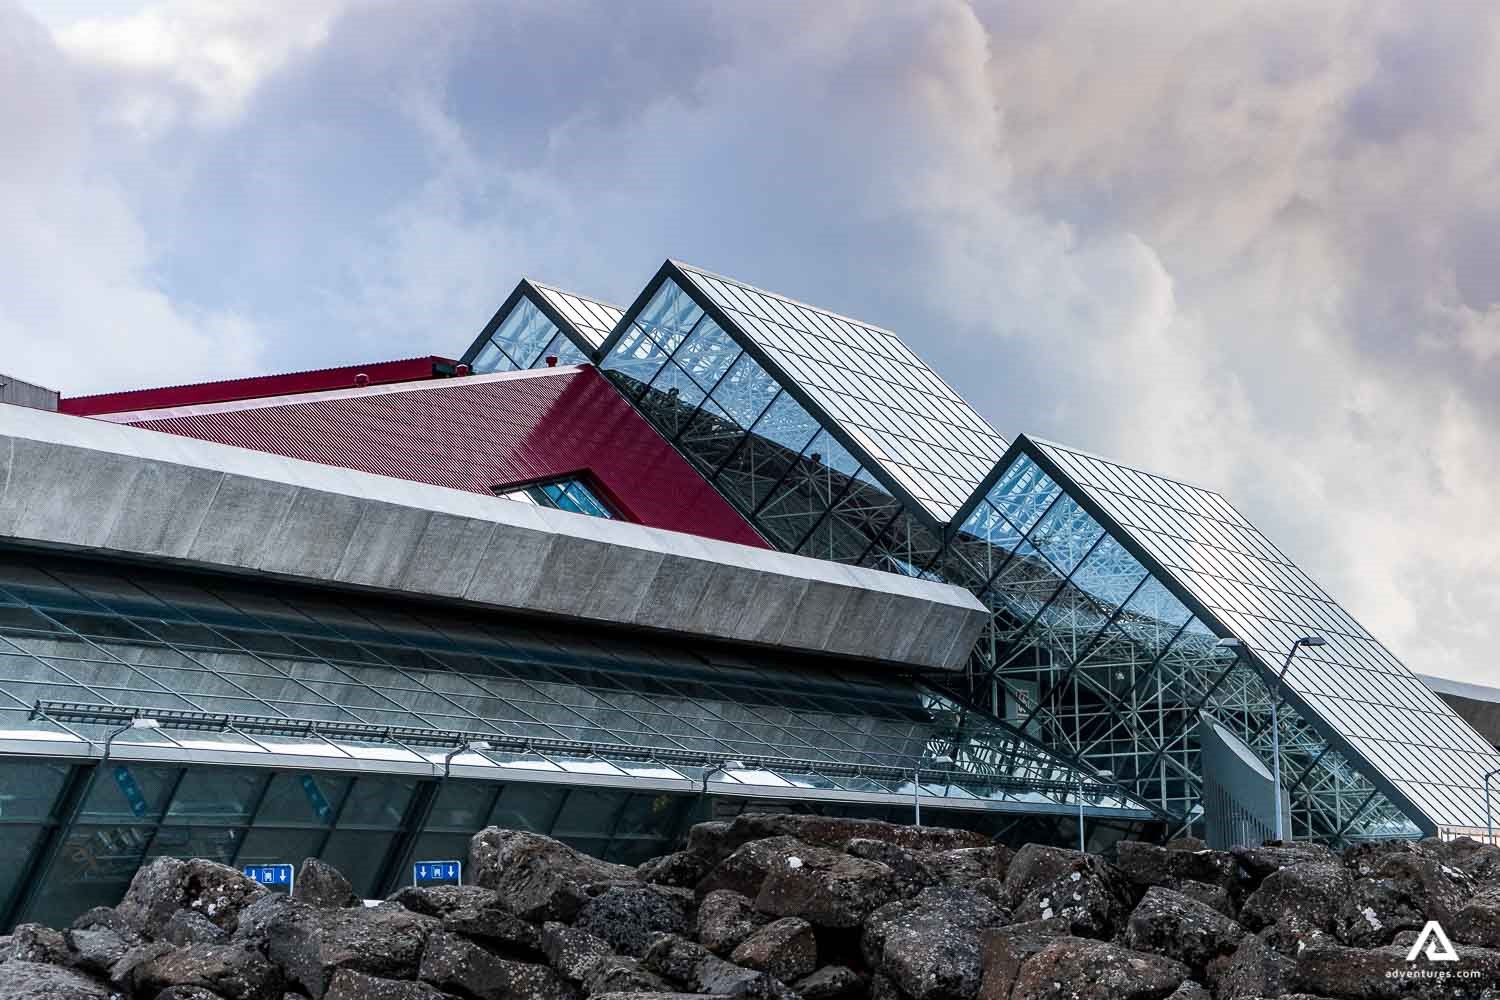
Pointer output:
x,y
14,391
89,485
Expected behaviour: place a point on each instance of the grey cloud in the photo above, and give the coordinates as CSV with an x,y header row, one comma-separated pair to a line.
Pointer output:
x,y
1243,243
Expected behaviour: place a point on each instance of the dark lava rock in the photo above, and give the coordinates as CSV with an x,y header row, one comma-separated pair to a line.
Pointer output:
x,y
909,867
21,980
1145,865
347,984
1084,969
497,929
1254,970
1311,895
725,918
454,964
701,971
571,951
1259,862
38,943
1005,949
1478,920
1213,896
930,947
710,841
1044,882
964,867
785,948
630,917
441,900
167,885
1402,892
320,884
1169,923
538,878
832,982
683,869
633,995
835,832
1379,973
187,993
122,973
192,927
619,974
312,944
744,869
96,949
826,888
231,971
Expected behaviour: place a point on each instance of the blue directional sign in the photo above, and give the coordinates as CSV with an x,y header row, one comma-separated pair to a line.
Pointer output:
x,y
437,873
131,790
272,876
316,798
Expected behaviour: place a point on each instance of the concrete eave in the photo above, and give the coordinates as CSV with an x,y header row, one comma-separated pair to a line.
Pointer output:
x,y
98,487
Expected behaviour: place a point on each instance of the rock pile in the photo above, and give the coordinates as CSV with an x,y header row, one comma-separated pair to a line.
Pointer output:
x,y
780,907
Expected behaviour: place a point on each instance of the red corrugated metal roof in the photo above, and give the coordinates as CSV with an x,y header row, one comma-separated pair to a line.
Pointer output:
x,y
257,387
478,432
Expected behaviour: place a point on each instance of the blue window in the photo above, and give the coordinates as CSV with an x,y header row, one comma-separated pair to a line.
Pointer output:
x,y
572,494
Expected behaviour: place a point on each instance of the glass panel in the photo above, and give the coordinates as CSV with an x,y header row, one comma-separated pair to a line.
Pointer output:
x,y
521,337
525,806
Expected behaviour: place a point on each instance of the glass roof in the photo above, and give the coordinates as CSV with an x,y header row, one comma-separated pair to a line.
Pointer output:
x,y
1404,731
524,334
299,671
910,422
592,319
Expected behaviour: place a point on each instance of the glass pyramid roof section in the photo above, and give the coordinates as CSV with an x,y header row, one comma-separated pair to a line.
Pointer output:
x,y
537,322
590,318
1354,685
908,419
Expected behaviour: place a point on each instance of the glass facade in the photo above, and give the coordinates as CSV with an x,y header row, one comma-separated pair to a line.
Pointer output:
x,y
872,387
571,494
345,709
539,322
1386,718
1092,651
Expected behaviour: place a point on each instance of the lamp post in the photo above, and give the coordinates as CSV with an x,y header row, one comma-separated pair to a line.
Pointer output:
x,y
722,766
1306,640
916,786
1489,821
109,739
467,747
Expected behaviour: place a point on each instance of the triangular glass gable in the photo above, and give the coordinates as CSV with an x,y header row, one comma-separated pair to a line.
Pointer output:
x,y
537,322
1384,723
897,410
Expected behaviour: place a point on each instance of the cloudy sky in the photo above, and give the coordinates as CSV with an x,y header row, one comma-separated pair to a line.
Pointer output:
x,y
1250,244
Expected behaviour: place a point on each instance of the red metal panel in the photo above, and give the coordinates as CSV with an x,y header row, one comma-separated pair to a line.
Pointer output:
x,y
259,387
478,433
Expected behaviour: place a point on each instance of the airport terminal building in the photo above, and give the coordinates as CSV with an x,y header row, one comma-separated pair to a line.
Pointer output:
x,y
611,570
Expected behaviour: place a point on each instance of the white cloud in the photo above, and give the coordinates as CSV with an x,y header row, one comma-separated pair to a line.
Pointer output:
x,y
79,308
1249,244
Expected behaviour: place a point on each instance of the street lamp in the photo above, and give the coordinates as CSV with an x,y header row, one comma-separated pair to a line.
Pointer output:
x,y
721,767
1306,640
466,747
109,739
916,785
1489,822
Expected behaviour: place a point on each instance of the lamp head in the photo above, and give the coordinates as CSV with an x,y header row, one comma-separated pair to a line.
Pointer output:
x,y
1229,642
144,724
1312,640
480,745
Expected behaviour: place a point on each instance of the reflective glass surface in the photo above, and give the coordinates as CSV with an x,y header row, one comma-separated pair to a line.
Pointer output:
x,y
525,336
905,417
1390,718
573,495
